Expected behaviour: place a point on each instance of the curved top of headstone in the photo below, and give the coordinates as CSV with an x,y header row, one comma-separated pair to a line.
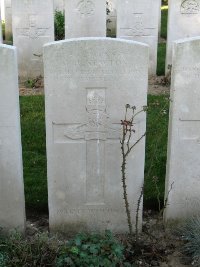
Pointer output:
x,y
187,40
7,46
96,39
8,85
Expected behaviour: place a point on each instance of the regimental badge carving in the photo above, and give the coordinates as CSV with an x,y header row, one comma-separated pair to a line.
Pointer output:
x,y
96,99
190,7
86,8
138,28
33,32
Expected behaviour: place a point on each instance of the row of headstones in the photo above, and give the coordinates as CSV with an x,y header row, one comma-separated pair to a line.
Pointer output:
x,y
33,26
87,85
136,20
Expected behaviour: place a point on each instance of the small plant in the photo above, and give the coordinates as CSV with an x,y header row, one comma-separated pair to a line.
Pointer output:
x,y
92,250
126,148
190,233
59,25
3,259
34,83
30,83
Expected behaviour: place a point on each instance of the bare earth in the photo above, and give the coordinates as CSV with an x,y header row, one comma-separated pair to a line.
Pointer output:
x,y
156,245
158,85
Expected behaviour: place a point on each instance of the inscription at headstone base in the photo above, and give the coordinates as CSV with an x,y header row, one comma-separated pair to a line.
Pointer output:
x,y
184,133
87,85
12,204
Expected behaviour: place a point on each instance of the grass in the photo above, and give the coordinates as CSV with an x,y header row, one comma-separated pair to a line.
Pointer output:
x,y
34,150
162,46
164,18
161,59
156,149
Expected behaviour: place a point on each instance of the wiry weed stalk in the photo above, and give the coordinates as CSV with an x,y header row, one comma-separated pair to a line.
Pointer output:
x,y
126,148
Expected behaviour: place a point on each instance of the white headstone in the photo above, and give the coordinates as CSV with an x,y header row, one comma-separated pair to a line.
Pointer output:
x,y
59,5
138,20
12,206
112,18
1,36
183,167
33,26
160,20
85,18
8,20
88,82
183,22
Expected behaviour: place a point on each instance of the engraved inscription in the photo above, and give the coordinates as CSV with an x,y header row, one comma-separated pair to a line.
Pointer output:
x,y
86,8
32,32
91,211
86,66
190,7
95,131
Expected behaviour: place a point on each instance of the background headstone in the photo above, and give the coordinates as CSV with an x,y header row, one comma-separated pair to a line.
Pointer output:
x,y
112,18
85,18
59,5
183,22
33,26
138,21
88,82
12,205
8,20
183,166
1,36
160,20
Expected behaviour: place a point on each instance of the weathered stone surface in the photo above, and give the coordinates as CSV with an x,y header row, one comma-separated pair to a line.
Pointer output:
x,y
85,18
59,5
160,20
88,82
183,167
112,18
8,20
138,21
33,26
183,22
12,206
1,37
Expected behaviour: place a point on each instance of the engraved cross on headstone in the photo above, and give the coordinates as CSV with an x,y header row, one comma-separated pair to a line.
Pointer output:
x,y
95,132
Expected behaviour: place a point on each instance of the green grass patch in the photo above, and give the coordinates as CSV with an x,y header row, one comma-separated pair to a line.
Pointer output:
x,y
164,17
34,149
156,149
161,59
